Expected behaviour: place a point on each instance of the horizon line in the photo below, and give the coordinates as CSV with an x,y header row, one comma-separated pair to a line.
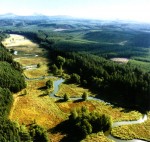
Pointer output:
x,y
75,17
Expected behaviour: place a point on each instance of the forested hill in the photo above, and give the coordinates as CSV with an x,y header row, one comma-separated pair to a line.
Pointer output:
x,y
10,72
11,80
122,84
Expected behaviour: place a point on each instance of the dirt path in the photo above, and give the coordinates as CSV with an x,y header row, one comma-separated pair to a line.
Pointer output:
x,y
13,106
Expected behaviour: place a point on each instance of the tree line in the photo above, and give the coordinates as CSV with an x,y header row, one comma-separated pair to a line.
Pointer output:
x,y
120,83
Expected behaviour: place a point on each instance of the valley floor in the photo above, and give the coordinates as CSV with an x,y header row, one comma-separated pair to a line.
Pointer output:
x,y
36,105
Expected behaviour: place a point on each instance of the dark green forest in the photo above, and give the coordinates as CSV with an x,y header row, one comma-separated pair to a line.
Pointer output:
x,y
12,80
111,40
125,85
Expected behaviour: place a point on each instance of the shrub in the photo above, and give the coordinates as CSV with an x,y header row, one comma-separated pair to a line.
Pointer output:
x,y
85,96
49,84
66,97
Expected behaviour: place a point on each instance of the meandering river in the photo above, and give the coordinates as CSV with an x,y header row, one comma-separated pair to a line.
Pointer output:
x,y
58,82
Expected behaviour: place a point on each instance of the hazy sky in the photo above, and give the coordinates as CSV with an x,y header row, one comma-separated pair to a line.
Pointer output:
x,y
138,10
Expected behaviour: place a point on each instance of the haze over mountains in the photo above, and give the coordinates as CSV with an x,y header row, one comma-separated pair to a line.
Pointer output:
x,y
38,16
10,19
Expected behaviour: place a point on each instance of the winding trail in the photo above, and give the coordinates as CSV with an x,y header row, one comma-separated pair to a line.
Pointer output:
x,y
58,82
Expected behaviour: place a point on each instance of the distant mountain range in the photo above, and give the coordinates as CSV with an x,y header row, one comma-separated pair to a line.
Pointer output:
x,y
34,17
63,21
56,17
8,15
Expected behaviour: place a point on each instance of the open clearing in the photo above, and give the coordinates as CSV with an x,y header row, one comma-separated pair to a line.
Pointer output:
x,y
120,60
46,111
22,44
18,40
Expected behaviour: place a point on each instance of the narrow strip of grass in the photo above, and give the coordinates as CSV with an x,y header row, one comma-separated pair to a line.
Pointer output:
x,y
143,65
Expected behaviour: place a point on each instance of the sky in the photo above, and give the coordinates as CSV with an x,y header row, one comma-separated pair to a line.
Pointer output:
x,y
134,10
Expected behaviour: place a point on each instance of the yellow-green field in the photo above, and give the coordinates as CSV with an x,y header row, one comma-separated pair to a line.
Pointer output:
x,y
135,131
35,73
72,90
36,106
47,111
20,43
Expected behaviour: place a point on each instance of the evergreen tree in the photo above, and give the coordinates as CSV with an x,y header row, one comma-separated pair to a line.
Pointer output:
x,y
66,97
49,84
85,96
